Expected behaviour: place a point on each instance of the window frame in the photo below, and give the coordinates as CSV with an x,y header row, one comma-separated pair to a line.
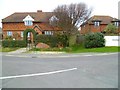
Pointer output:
x,y
48,32
28,23
96,23
21,33
116,24
9,33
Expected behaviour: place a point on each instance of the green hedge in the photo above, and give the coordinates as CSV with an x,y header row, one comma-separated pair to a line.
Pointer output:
x,y
94,40
52,40
14,43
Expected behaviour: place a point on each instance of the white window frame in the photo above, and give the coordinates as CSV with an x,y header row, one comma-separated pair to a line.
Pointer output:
x,y
48,32
21,33
9,33
28,20
116,24
28,23
96,23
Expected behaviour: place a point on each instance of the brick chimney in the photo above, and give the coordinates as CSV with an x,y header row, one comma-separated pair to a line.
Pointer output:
x,y
39,11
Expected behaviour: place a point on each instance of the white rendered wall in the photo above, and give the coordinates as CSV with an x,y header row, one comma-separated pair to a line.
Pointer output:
x,y
112,40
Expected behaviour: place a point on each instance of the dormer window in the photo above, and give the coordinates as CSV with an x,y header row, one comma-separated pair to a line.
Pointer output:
x,y
96,23
28,20
28,23
53,20
116,24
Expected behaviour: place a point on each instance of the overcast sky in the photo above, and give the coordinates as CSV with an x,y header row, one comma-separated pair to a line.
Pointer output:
x,y
100,7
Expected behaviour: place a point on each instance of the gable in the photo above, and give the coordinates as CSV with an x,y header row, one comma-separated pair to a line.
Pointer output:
x,y
28,18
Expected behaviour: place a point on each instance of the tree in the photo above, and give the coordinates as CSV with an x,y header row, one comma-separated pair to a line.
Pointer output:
x,y
70,16
110,29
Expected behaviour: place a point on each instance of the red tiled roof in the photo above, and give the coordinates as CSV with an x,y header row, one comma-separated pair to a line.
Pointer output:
x,y
103,19
37,16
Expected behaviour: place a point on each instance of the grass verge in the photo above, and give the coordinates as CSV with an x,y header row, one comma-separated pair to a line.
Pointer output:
x,y
81,49
7,49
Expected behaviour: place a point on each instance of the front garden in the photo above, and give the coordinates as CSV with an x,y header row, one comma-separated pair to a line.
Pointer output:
x,y
92,42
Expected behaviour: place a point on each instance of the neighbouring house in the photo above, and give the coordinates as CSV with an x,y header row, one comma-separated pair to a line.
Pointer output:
x,y
15,24
0,33
98,23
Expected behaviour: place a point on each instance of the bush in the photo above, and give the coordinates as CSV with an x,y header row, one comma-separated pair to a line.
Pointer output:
x,y
80,39
9,38
94,40
72,40
13,43
52,40
110,30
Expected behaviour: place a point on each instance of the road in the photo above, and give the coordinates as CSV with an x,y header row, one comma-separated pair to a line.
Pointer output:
x,y
80,71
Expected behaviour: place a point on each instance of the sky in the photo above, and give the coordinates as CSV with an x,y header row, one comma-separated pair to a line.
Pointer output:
x,y
100,7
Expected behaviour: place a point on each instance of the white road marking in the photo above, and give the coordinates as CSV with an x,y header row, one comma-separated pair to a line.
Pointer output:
x,y
37,74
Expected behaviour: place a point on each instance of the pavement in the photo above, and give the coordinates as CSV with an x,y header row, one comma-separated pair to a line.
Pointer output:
x,y
25,50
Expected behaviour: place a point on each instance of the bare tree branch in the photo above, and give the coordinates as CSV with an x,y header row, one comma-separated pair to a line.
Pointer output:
x,y
71,15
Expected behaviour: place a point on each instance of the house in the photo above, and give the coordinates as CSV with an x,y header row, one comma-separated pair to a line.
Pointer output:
x,y
98,23
15,24
0,33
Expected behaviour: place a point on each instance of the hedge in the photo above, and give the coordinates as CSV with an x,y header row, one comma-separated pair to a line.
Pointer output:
x,y
94,40
52,40
26,33
14,43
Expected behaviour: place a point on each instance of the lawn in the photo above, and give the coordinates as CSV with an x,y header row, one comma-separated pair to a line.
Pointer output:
x,y
72,49
7,49
81,49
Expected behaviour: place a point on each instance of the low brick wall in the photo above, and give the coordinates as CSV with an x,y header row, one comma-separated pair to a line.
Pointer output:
x,y
112,40
42,45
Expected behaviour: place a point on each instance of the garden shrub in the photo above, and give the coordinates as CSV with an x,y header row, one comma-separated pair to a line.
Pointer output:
x,y
8,38
79,39
14,43
111,30
62,40
72,40
94,40
52,40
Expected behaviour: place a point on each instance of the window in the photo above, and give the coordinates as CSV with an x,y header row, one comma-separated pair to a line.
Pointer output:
x,y
53,20
28,23
22,34
28,20
48,32
9,33
96,23
116,24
